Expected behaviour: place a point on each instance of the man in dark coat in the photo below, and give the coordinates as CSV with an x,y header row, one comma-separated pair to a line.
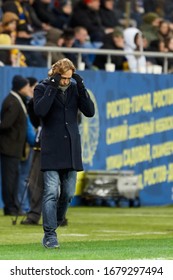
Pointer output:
x,y
57,100
13,128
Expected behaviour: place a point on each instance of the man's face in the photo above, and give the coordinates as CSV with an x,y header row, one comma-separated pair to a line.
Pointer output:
x,y
65,78
25,91
82,35
94,5
119,41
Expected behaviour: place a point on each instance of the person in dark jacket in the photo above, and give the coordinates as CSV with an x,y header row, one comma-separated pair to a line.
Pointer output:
x,y
86,14
25,164
45,13
108,15
63,10
57,100
13,129
112,41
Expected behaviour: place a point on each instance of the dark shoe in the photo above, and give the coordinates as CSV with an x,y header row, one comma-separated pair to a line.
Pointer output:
x,y
64,223
51,243
28,222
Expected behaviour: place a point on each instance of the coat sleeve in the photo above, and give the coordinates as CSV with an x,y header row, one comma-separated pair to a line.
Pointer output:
x,y
44,96
86,105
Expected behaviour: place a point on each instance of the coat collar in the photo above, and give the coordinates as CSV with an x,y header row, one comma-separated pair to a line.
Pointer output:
x,y
68,93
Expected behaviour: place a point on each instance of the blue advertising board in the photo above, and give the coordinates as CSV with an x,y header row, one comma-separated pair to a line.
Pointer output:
x,y
131,130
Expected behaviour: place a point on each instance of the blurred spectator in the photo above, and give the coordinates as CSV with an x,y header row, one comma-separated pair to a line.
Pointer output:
x,y
112,41
156,46
138,11
150,25
9,23
107,14
67,39
25,30
29,21
45,13
24,27
25,163
133,41
9,27
164,30
82,40
164,33
64,39
157,6
12,57
168,10
63,10
18,58
169,48
150,6
9,17
5,55
130,14
54,39
36,22
86,14
13,129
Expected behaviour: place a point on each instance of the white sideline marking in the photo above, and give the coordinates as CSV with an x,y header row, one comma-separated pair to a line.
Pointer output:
x,y
145,215
133,233
74,234
130,215
150,232
110,231
118,232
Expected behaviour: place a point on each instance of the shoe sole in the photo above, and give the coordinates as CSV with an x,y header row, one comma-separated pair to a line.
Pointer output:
x,y
49,247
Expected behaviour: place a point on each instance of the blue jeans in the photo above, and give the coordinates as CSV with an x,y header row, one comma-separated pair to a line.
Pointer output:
x,y
59,189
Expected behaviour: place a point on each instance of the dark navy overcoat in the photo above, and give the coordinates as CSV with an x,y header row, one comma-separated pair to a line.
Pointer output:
x,y
60,139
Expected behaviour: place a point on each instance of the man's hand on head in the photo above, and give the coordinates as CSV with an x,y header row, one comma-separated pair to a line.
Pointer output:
x,y
77,78
54,80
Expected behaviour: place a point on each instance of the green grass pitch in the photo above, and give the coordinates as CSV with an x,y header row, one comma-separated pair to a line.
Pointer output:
x,y
95,233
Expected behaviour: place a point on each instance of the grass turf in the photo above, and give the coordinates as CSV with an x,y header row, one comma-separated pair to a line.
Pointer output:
x,y
95,233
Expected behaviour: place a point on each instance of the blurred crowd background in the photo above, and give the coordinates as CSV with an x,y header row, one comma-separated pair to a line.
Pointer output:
x,y
134,25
